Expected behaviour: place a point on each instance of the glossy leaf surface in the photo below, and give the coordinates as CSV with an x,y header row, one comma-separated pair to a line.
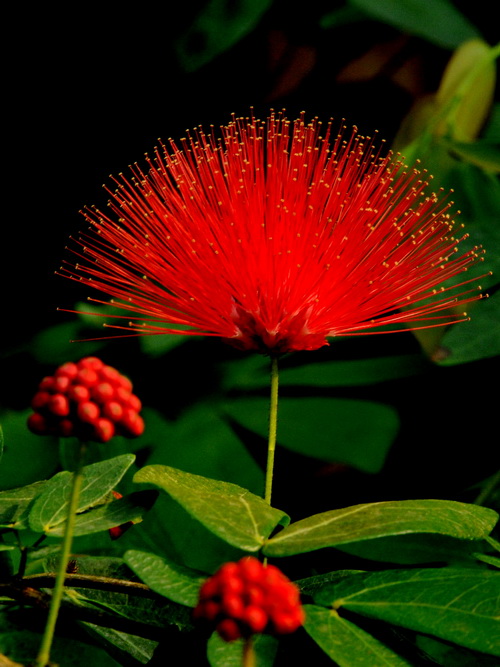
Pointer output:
x,y
229,511
169,579
51,507
457,605
346,643
369,521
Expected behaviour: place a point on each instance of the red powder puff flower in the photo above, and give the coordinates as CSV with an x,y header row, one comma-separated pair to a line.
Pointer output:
x,y
275,237
89,400
247,597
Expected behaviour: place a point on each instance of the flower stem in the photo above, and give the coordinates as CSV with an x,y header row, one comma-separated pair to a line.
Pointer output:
x,y
273,426
248,653
55,603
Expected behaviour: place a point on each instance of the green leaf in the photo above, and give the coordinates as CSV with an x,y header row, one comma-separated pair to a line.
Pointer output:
x,y
205,445
437,21
51,507
369,521
436,652
491,560
229,654
482,154
416,548
342,16
311,585
232,513
478,339
175,582
38,454
116,513
140,610
354,373
14,505
457,605
216,29
358,433
168,530
493,543
21,645
345,643
54,345
156,346
252,373
124,646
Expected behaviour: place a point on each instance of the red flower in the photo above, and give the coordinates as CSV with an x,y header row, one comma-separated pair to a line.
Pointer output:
x,y
247,597
275,238
88,400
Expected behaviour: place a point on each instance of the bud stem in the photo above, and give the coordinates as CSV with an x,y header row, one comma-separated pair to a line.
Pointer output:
x,y
248,653
43,657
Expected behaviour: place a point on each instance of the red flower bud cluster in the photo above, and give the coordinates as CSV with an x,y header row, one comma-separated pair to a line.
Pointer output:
x,y
88,400
247,597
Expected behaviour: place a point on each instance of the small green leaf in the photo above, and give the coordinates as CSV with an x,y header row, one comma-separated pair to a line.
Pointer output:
x,y
457,605
438,21
54,345
156,346
166,578
51,507
345,643
129,508
14,505
232,513
217,29
341,16
478,339
369,521
358,433
482,154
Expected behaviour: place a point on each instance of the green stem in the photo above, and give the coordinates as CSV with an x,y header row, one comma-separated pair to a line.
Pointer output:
x,y
55,603
273,426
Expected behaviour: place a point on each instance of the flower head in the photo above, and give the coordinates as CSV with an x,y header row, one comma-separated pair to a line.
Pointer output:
x,y
247,597
275,237
89,400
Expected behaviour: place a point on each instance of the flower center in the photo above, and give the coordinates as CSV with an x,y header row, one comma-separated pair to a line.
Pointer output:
x,y
288,335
